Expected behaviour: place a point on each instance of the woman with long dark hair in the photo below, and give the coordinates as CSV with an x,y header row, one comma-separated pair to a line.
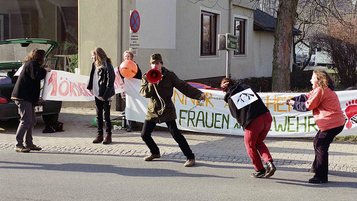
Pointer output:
x,y
101,84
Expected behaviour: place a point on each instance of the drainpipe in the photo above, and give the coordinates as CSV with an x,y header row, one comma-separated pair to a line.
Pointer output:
x,y
228,73
121,29
119,103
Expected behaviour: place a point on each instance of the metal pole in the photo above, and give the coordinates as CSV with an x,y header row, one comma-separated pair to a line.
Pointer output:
x,y
228,61
227,66
119,100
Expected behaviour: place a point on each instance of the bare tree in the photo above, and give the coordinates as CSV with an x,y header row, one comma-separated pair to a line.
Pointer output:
x,y
313,17
283,36
340,41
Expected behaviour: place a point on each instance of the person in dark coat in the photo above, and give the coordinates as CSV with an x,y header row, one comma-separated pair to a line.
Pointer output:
x,y
101,84
26,96
251,113
162,109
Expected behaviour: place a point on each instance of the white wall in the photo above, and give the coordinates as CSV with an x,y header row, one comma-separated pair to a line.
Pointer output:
x,y
264,43
185,59
257,62
99,26
172,28
158,24
242,66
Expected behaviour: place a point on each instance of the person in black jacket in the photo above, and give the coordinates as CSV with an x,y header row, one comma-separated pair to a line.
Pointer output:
x,y
26,96
161,108
248,108
101,84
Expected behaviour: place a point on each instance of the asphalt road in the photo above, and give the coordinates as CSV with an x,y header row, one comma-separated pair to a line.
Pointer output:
x,y
43,176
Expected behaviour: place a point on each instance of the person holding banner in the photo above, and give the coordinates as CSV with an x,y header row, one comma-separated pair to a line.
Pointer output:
x,y
248,108
162,109
101,84
129,55
326,109
26,96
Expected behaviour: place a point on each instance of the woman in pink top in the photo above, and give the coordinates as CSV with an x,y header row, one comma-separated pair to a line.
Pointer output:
x,y
325,106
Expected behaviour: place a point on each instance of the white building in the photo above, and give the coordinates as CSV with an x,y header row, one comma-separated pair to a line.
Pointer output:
x,y
183,31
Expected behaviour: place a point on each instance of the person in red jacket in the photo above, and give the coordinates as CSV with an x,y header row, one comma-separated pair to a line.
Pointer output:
x,y
251,113
326,109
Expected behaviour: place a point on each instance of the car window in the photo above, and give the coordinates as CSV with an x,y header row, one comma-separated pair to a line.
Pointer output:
x,y
15,52
4,77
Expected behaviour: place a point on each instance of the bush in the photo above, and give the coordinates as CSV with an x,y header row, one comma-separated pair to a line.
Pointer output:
x,y
73,63
341,44
258,84
300,81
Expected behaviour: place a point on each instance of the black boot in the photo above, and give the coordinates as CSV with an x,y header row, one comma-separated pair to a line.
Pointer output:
x,y
259,174
108,139
98,139
270,169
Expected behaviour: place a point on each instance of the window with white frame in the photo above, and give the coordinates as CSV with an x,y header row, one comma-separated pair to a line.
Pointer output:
x,y
208,33
239,31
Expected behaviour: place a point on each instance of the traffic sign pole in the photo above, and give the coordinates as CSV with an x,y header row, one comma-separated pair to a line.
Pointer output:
x,y
227,66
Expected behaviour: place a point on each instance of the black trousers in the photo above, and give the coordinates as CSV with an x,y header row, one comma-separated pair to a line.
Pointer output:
x,y
100,106
322,142
148,128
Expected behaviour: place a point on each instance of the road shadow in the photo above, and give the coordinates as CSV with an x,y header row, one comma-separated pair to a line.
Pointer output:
x,y
102,168
304,183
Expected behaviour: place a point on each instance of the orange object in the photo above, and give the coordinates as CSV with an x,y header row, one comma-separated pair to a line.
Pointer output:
x,y
128,69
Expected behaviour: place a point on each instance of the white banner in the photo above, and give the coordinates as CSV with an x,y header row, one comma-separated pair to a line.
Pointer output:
x,y
213,115
65,86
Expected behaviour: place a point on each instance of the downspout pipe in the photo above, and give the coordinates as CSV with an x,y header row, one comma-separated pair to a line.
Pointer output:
x,y
229,53
119,103
121,29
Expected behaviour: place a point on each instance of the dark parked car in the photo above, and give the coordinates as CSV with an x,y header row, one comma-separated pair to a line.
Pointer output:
x,y
12,54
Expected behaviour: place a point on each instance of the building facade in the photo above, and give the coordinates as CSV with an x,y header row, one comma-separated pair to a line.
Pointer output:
x,y
51,19
185,32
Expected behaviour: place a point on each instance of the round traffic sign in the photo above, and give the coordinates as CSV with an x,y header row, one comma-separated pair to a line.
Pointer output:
x,y
134,21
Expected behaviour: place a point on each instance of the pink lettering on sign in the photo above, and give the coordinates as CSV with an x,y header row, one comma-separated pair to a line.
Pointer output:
x,y
118,82
64,87
53,81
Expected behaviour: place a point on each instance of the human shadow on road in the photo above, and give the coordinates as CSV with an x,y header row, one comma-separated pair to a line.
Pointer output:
x,y
200,163
210,165
164,158
273,149
330,184
335,173
101,168
343,174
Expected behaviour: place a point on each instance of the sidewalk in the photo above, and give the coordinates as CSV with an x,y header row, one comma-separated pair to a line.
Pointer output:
x,y
297,154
